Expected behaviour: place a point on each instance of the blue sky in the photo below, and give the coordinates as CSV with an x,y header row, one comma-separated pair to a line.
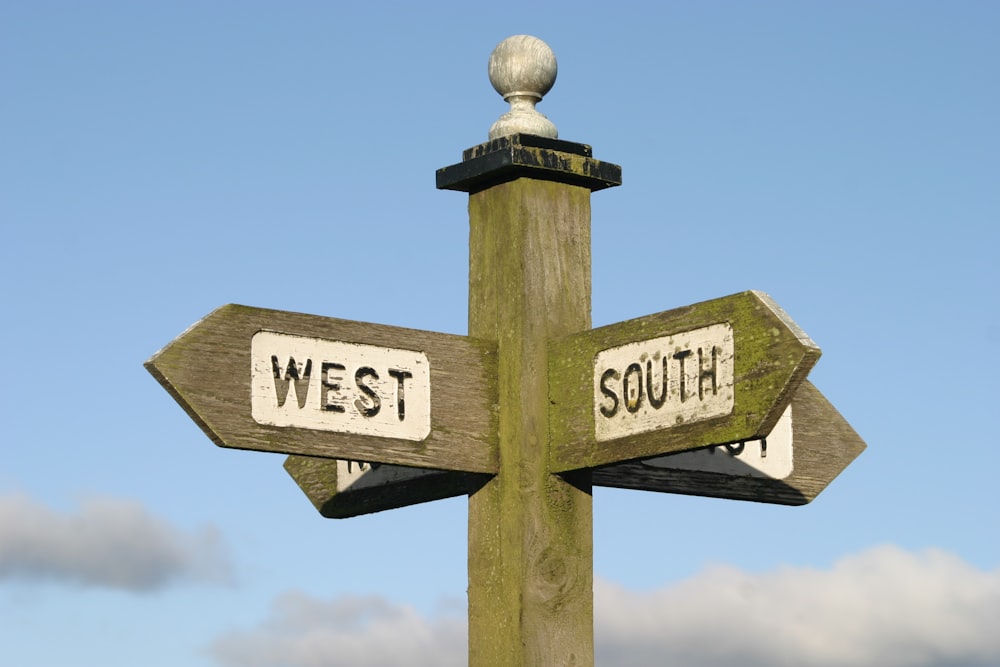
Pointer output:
x,y
158,160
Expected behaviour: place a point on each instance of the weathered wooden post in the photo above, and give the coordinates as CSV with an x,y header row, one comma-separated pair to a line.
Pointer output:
x,y
530,531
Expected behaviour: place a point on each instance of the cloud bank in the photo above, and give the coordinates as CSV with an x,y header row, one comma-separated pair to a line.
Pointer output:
x,y
108,543
885,607
349,631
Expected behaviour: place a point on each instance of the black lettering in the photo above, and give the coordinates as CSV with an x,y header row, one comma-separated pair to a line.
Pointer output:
x,y
654,400
681,356
330,384
708,374
400,376
610,374
363,466
630,404
376,403
292,374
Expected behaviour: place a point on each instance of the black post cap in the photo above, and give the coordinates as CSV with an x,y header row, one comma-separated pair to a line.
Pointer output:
x,y
528,156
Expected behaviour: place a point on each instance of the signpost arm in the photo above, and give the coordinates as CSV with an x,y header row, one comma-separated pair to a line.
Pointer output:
x,y
530,531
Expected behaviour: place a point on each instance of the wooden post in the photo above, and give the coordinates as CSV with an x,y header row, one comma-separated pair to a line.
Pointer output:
x,y
530,531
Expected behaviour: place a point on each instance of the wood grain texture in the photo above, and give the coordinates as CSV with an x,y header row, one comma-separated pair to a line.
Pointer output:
x,y
207,370
823,445
772,357
530,532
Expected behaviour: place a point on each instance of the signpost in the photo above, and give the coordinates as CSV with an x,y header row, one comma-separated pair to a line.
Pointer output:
x,y
533,407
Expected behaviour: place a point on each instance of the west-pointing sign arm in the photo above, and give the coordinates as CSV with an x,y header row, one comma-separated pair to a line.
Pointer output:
x,y
276,381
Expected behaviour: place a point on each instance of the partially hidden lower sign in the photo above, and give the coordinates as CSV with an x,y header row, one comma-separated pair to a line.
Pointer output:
x,y
768,458
339,386
811,444
341,488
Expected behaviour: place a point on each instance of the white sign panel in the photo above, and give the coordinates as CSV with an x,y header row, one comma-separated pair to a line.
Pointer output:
x,y
769,458
664,382
356,475
331,385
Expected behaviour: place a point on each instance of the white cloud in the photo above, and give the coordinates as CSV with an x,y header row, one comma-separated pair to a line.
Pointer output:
x,y
349,631
885,607
882,608
108,543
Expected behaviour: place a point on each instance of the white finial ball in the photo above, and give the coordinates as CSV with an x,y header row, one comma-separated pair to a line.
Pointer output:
x,y
523,65
523,69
